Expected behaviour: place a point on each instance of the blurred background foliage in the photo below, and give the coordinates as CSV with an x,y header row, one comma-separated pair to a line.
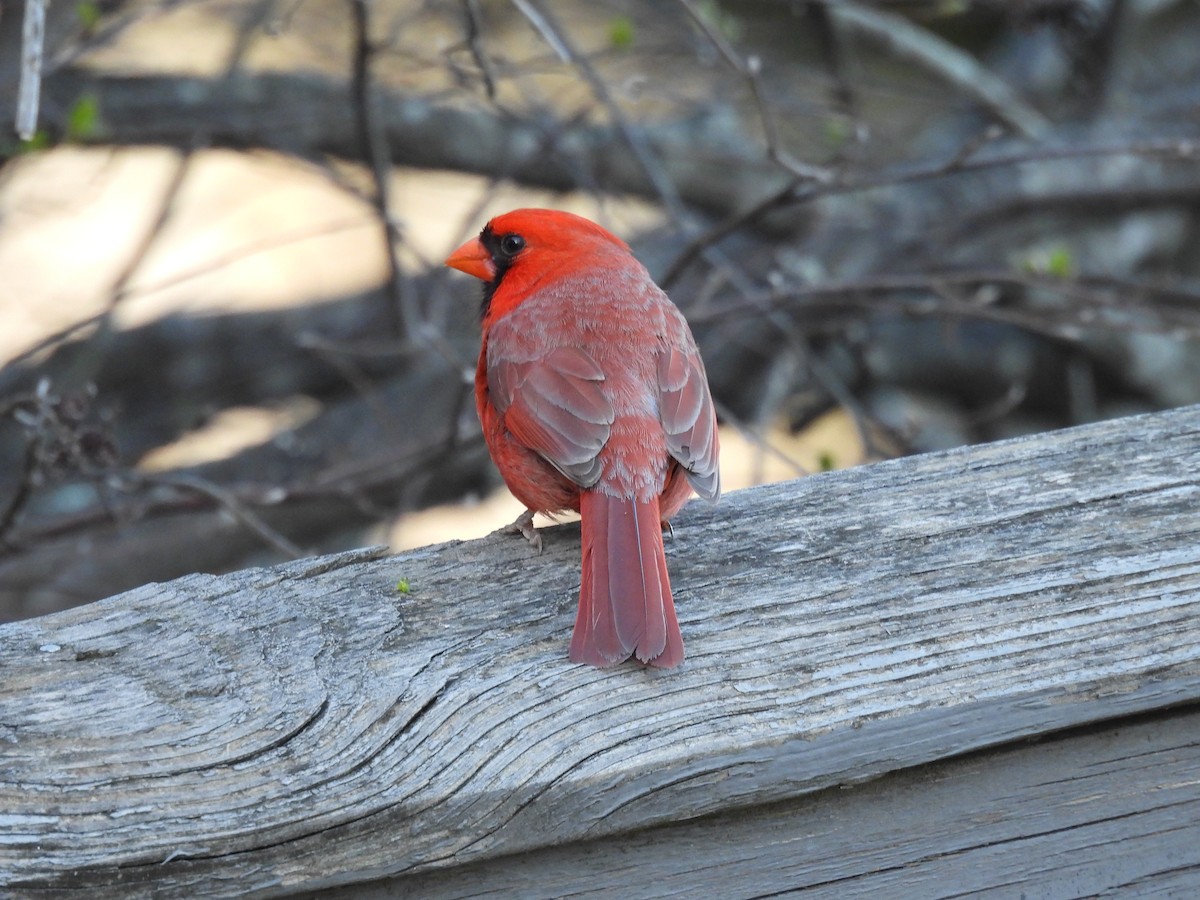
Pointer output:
x,y
896,226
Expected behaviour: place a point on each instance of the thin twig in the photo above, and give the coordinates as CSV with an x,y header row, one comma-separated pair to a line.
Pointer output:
x,y
122,289
342,482
998,408
755,437
751,69
54,339
1182,149
344,363
547,26
938,56
282,20
374,144
228,501
256,18
474,18
166,209
824,375
1177,313
1092,50
249,249
29,89
115,22
85,367
833,54
970,157
20,497
711,236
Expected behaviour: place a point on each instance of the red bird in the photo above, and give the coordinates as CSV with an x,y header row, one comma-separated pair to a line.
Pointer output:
x,y
593,398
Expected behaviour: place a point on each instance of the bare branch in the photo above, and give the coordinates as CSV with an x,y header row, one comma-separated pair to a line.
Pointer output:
x,y
30,90
971,157
755,436
166,208
751,69
475,43
375,149
959,69
12,509
226,499
547,26
1094,301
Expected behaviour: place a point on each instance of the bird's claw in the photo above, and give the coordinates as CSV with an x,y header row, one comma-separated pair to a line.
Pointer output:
x,y
523,525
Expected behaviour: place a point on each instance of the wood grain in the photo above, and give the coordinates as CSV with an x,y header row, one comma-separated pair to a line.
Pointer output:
x,y
307,726
1091,811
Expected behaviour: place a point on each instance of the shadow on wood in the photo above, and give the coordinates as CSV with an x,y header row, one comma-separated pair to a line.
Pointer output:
x,y
870,652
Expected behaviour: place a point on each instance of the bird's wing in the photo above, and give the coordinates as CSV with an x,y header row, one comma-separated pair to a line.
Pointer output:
x,y
556,407
688,418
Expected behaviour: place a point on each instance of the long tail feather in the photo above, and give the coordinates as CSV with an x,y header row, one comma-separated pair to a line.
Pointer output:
x,y
625,603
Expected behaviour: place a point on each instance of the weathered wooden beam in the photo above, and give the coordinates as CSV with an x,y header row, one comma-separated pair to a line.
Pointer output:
x,y
307,726
1088,812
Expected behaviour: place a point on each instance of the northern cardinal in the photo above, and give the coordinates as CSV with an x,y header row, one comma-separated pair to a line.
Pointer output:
x,y
593,398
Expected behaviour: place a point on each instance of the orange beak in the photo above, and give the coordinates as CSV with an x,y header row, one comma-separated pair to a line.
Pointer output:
x,y
474,259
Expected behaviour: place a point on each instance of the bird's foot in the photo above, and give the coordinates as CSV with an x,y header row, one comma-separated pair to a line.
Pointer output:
x,y
523,525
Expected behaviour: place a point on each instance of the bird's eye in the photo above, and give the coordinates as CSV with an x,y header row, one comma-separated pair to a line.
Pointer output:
x,y
511,244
